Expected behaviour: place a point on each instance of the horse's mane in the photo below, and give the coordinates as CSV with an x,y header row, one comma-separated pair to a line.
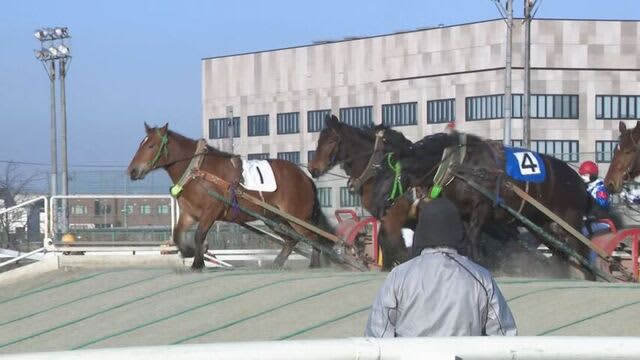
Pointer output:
x,y
210,149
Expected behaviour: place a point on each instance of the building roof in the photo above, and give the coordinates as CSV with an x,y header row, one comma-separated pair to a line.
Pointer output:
x,y
354,38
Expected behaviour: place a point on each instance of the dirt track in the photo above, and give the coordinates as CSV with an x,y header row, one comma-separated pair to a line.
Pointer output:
x,y
62,310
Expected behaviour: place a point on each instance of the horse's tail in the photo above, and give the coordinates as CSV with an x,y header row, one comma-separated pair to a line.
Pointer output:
x,y
318,216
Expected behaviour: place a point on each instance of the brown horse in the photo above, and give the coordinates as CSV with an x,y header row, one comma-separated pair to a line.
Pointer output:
x,y
563,191
352,148
295,194
625,164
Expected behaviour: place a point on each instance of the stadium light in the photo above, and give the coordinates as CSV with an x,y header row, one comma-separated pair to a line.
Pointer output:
x,y
53,49
63,49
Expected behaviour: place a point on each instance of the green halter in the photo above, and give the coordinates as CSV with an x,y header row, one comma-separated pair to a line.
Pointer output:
x,y
397,190
164,140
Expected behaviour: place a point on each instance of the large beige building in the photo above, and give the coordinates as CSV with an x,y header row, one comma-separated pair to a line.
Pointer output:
x,y
585,77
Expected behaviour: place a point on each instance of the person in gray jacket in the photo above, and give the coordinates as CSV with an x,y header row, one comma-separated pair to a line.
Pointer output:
x,y
439,292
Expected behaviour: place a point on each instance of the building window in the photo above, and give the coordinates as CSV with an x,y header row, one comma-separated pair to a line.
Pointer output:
x,y
288,123
163,209
127,209
219,128
101,208
258,125
540,107
310,155
516,106
617,107
604,150
565,150
441,111
360,117
324,196
483,107
553,106
293,156
79,210
316,120
258,156
399,114
145,209
348,199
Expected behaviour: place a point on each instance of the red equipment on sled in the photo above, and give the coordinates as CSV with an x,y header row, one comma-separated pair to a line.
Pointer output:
x,y
360,235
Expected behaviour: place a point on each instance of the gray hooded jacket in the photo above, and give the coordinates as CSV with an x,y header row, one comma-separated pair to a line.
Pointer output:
x,y
439,292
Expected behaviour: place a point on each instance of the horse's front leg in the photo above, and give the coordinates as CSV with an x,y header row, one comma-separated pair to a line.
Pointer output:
x,y
476,221
209,216
185,246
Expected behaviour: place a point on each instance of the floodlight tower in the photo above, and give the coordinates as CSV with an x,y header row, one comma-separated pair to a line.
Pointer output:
x,y
44,56
53,48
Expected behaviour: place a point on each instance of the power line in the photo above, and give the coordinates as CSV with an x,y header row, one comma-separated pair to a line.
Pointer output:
x,y
48,164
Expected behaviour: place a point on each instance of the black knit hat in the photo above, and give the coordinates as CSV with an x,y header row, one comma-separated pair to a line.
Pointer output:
x,y
439,225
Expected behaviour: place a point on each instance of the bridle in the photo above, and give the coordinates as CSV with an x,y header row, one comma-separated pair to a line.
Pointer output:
x,y
164,140
373,164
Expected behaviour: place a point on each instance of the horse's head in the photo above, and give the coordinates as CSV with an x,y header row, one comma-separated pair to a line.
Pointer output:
x,y
624,165
152,152
326,155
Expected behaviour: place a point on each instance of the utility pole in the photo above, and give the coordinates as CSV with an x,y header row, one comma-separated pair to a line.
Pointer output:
x,y
230,127
526,119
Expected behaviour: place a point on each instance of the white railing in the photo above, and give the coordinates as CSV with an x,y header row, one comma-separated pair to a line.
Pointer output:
x,y
29,202
19,256
463,348
51,245
22,256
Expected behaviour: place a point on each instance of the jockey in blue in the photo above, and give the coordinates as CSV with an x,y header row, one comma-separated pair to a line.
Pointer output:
x,y
595,186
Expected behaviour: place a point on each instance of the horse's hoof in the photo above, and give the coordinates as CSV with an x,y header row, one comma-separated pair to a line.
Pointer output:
x,y
275,266
197,266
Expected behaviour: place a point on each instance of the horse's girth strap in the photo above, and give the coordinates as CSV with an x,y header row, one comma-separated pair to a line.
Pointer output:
x,y
374,162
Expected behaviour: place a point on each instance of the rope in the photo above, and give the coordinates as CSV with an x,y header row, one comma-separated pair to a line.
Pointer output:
x,y
397,189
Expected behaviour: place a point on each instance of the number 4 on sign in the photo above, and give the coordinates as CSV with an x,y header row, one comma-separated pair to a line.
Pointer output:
x,y
528,163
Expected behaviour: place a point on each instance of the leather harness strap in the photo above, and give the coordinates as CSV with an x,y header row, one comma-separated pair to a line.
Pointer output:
x,y
207,176
194,164
374,163
444,176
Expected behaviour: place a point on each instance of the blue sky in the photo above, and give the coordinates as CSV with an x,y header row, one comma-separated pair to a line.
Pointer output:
x,y
138,61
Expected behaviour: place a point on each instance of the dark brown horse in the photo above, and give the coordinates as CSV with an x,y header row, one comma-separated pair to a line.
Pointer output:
x,y
625,164
296,192
352,148
563,191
